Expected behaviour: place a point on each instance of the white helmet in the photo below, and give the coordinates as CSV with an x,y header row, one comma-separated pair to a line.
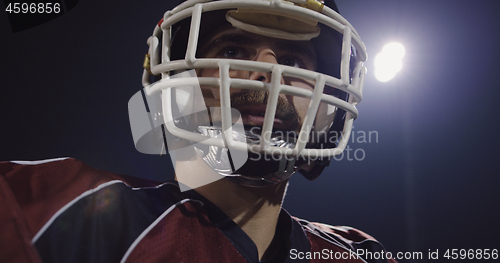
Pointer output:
x,y
171,108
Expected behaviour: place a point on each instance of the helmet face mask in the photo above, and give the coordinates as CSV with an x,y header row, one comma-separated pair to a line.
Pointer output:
x,y
276,92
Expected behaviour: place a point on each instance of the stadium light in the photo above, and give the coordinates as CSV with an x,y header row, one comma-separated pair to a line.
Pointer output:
x,y
389,61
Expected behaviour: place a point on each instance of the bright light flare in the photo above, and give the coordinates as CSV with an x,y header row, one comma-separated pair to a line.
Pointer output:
x,y
389,61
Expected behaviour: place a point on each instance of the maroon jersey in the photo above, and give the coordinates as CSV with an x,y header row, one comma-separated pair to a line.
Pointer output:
x,y
65,211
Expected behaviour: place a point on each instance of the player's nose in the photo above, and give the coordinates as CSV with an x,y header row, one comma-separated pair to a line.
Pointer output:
x,y
264,55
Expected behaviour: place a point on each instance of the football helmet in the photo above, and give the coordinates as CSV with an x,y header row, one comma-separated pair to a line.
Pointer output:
x,y
178,115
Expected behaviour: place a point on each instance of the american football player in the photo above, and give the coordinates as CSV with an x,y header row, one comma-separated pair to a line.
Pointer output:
x,y
242,94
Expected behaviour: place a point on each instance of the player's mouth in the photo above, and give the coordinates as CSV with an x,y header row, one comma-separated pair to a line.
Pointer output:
x,y
252,107
254,115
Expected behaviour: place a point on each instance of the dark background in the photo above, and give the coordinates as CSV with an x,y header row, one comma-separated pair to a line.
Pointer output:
x,y
429,182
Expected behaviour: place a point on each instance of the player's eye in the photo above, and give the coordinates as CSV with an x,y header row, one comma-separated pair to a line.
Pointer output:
x,y
297,55
233,52
289,61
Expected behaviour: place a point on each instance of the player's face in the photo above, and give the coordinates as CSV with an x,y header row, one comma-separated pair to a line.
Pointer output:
x,y
232,43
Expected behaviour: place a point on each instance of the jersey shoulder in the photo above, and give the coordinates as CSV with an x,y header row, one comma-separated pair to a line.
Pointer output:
x,y
51,172
31,192
40,188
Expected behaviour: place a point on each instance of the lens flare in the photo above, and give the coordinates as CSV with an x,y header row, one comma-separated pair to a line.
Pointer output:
x,y
389,61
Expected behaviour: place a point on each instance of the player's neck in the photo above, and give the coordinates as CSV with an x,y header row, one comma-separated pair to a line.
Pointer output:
x,y
255,210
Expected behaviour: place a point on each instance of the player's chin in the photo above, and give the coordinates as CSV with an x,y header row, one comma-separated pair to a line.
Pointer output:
x,y
257,123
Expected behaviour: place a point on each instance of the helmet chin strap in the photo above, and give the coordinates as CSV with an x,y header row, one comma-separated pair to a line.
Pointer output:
x,y
258,170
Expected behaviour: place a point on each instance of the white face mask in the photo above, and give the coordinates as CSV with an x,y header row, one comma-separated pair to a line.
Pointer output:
x,y
180,101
